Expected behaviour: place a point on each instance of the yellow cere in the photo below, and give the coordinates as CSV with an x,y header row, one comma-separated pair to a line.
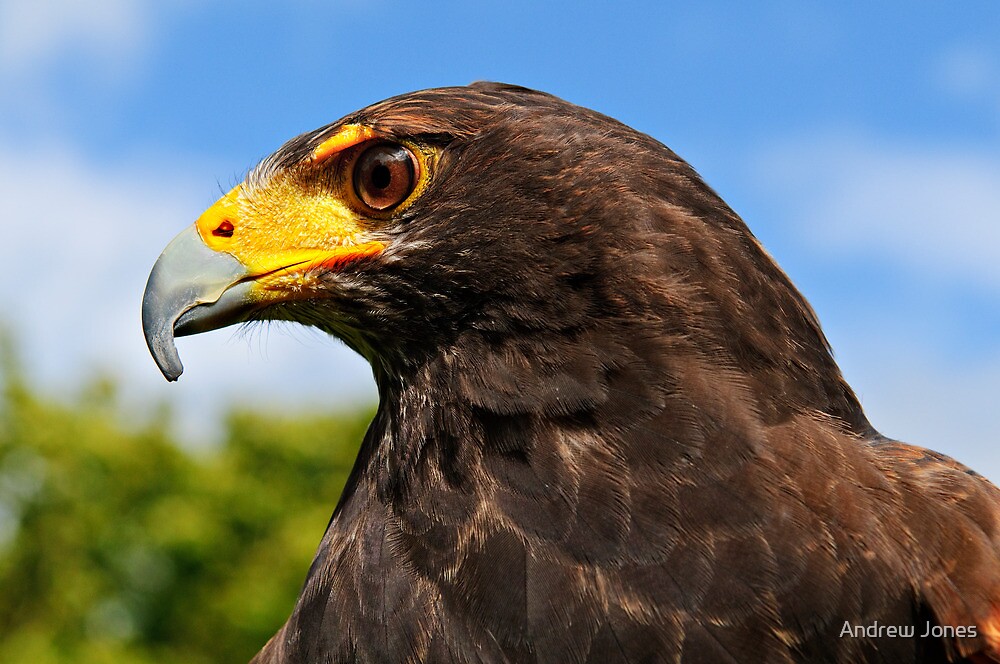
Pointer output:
x,y
281,233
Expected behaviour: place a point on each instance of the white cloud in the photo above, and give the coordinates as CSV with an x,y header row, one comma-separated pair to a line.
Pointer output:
x,y
104,43
78,244
933,211
33,33
969,72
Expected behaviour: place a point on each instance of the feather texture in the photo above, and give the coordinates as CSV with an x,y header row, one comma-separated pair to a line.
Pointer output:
x,y
611,430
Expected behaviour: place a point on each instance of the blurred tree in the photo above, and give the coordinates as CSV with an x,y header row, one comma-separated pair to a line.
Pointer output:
x,y
117,546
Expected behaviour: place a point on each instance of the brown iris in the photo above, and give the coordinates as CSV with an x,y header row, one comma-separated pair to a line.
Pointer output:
x,y
384,175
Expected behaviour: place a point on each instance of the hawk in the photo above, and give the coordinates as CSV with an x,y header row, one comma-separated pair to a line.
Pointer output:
x,y
610,429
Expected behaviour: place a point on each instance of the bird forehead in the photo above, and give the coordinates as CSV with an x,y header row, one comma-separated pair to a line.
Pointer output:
x,y
439,115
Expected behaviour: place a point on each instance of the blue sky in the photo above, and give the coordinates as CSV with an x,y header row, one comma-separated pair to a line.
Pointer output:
x,y
860,142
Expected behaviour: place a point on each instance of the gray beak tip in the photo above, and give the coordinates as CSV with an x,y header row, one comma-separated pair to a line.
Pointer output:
x,y
159,335
188,274
170,367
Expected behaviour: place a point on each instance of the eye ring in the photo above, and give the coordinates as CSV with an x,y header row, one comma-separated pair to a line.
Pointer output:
x,y
384,175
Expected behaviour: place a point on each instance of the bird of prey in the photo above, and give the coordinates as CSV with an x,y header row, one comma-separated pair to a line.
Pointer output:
x,y
610,429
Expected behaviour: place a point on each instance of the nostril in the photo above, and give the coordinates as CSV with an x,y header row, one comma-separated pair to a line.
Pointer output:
x,y
225,229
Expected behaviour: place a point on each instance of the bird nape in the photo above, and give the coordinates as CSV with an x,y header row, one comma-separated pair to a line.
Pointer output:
x,y
609,428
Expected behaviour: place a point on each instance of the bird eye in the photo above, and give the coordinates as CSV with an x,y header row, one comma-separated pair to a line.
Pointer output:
x,y
384,175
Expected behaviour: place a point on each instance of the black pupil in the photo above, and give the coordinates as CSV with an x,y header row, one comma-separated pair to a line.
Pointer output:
x,y
381,176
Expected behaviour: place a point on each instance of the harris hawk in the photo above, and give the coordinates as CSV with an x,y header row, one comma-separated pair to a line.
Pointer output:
x,y
610,429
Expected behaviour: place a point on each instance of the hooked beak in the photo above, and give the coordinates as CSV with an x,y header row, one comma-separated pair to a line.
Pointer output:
x,y
243,255
191,289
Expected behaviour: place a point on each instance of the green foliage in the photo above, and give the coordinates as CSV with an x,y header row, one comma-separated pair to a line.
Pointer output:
x,y
118,546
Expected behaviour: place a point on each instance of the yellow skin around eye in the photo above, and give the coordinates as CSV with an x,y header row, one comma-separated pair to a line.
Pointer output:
x,y
347,136
300,220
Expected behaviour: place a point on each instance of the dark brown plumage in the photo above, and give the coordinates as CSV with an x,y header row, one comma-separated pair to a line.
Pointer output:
x,y
610,429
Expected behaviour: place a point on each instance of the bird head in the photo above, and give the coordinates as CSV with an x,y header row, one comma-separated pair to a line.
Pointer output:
x,y
506,222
